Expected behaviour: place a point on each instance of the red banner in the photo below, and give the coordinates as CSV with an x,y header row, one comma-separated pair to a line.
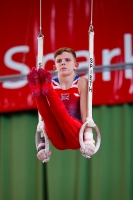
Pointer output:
x,y
65,23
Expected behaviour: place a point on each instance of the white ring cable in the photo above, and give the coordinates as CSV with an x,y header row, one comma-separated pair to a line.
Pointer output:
x,y
89,121
39,62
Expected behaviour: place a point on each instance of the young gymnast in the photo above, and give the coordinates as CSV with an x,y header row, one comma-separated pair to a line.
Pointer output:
x,y
62,103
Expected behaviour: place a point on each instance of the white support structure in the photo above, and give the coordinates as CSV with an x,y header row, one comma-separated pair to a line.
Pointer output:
x,y
40,61
40,39
89,120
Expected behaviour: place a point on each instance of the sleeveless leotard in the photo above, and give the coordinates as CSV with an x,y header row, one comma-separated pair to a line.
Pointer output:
x,y
70,97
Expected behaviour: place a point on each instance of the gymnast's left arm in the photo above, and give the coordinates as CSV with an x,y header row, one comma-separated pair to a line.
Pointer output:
x,y
82,86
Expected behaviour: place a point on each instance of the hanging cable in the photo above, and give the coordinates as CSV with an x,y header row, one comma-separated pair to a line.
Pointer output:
x,y
40,17
40,64
40,40
89,120
91,26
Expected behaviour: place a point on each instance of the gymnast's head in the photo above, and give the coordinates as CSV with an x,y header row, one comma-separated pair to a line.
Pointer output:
x,y
65,49
65,59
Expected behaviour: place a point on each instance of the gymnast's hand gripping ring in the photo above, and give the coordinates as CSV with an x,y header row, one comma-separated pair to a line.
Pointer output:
x,y
47,149
98,136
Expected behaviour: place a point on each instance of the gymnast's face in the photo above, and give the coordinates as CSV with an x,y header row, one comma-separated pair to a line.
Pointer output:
x,y
65,63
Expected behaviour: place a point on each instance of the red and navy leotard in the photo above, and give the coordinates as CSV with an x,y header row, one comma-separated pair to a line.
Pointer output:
x,y
70,97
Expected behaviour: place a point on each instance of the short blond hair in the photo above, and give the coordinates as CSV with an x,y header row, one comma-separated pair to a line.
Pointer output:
x,y
64,49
